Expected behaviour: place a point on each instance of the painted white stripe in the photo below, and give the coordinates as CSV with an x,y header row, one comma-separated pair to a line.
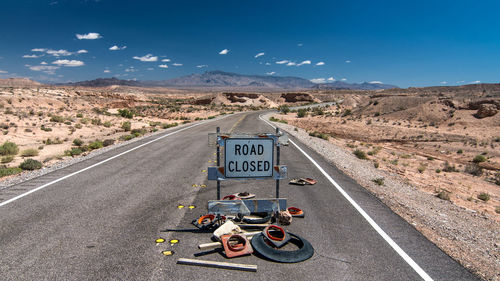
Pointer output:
x,y
102,162
375,226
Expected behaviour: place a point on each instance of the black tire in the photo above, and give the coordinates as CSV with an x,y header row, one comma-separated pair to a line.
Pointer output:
x,y
304,252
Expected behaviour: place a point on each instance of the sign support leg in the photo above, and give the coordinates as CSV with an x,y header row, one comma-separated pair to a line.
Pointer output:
x,y
277,163
218,163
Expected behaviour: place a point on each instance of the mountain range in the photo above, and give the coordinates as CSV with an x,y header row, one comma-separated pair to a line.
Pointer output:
x,y
220,79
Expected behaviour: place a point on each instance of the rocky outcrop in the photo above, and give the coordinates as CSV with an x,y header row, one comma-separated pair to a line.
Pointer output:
x,y
240,97
297,97
203,101
486,110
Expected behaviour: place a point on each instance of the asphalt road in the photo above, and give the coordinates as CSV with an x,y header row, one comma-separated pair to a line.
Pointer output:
x,y
101,223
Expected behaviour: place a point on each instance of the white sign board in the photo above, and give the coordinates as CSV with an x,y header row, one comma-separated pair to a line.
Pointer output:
x,y
248,157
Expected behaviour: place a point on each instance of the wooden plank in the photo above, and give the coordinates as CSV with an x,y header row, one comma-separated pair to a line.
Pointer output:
x,y
216,264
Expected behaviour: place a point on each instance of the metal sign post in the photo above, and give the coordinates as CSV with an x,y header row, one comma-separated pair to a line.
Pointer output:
x,y
277,163
218,164
247,157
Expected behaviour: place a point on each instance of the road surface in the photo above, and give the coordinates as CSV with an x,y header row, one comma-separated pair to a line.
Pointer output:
x,y
100,223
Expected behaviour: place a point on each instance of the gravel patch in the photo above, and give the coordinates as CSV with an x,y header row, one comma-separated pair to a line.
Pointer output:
x,y
471,238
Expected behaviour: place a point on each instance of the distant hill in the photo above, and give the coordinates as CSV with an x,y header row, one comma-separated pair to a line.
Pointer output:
x,y
18,82
339,85
226,80
104,82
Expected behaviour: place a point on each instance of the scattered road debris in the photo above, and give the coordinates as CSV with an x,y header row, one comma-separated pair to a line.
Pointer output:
x,y
236,245
296,212
304,252
303,181
284,217
225,265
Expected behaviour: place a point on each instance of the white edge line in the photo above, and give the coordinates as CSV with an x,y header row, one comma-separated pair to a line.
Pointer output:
x,y
102,162
375,226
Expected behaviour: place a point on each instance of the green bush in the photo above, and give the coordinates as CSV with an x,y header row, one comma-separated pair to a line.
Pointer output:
x,y
138,132
347,112
30,164
79,115
301,113
479,158
360,154
57,118
378,181
96,121
127,137
43,128
166,126
449,167
126,126
319,135
483,196
108,142
126,113
77,142
107,124
7,159
444,195
95,145
9,148
284,109
30,152
74,151
9,171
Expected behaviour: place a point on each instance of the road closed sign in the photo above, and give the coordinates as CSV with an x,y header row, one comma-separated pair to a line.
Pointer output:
x,y
248,157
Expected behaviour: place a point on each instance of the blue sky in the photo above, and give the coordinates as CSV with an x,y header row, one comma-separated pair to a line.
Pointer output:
x,y
405,43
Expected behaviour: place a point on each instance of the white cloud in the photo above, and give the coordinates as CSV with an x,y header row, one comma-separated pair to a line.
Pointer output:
x,y
44,68
259,55
116,48
291,63
150,68
320,63
3,71
89,36
202,66
38,50
444,82
347,61
300,44
304,62
147,58
343,79
282,62
165,60
68,62
31,56
318,80
375,82
163,66
82,52
268,63
224,52
107,71
177,64
330,79
59,53
475,82
43,63
271,73
462,81
131,69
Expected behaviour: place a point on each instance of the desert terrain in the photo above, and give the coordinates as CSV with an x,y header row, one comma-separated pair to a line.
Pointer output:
x,y
443,141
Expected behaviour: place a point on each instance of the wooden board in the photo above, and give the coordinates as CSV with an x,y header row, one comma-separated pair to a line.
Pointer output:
x,y
217,264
